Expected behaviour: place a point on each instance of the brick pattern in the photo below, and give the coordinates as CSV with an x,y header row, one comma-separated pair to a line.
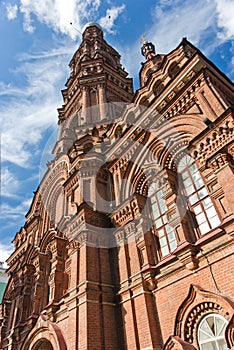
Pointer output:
x,y
70,288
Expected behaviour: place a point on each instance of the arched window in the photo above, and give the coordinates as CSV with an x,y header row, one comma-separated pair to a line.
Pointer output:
x,y
211,332
173,69
158,87
199,200
166,235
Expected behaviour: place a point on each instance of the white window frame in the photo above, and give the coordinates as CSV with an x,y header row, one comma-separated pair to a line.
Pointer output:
x,y
212,340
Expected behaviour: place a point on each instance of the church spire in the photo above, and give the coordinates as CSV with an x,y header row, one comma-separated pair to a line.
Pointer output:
x,y
96,78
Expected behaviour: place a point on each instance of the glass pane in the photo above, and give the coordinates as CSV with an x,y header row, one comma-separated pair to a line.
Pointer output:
x,y
205,327
209,346
171,237
160,194
173,245
211,212
196,176
169,228
161,202
193,168
222,344
164,219
193,199
152,188
199,184
185,161
197,209
207,202
190,190
187,182
214,222
150,191
163,241
202,193
204,228
220,326
165,250
158,223
203,335
185,175
201,218
160,233
155,211
211,323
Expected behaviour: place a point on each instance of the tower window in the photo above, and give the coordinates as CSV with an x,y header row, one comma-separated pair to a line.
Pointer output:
x,y
198,198
211,332
166,235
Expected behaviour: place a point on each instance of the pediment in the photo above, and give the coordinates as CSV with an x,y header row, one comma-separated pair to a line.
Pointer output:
x,y
194,109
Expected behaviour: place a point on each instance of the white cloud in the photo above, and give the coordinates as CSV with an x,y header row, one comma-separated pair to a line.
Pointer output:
x,y
107,22
179,19
12,213
11,11
9,183
27,111
172,20
196,20
5,252
58,14
225,12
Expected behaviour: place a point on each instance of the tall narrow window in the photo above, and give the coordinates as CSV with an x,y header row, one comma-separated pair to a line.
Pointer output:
x,y
198,198
166,235
211,333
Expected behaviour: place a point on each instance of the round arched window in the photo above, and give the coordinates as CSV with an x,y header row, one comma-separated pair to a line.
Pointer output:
x,y
211,333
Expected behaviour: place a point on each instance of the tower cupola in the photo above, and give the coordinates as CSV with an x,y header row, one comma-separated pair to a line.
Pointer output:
x,y
147,49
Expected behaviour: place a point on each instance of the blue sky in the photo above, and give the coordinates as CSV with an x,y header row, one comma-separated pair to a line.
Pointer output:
x,y
36,45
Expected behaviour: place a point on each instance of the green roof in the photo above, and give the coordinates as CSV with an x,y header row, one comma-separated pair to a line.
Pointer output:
x,y
2,290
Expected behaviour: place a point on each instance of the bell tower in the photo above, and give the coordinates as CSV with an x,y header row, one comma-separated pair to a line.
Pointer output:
x,y
96,86
96,78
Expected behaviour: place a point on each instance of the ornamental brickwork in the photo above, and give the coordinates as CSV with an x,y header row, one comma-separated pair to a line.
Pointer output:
x,y
128,243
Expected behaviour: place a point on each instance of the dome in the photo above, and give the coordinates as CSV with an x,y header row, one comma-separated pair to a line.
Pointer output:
x,y
92,24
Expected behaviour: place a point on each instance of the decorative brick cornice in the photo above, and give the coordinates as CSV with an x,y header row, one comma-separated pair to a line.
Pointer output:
x,y
218,137
219,160
128,211
187,255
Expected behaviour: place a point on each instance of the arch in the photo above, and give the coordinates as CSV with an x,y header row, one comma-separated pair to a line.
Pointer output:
x,y
158,87
199,303
47,333
45,242
52,187
43,344
173,69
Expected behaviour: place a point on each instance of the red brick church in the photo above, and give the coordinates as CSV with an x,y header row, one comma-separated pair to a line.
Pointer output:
x,y
128,243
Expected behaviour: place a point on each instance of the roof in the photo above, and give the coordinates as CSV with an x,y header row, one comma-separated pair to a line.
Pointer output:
x,y
92,24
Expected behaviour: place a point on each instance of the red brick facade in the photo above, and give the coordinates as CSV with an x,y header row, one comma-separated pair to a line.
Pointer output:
x,y
128,243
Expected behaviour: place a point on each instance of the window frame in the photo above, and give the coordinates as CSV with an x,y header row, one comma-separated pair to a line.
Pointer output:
x,y
162,229
198,199
211,339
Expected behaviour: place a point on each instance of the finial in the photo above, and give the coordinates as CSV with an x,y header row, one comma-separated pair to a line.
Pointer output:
x,y
143,39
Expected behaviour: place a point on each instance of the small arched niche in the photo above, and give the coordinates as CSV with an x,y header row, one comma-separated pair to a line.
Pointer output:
x,y
43,344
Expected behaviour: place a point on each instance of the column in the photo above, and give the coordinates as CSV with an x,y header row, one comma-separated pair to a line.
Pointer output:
x,y
102,101
84,105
